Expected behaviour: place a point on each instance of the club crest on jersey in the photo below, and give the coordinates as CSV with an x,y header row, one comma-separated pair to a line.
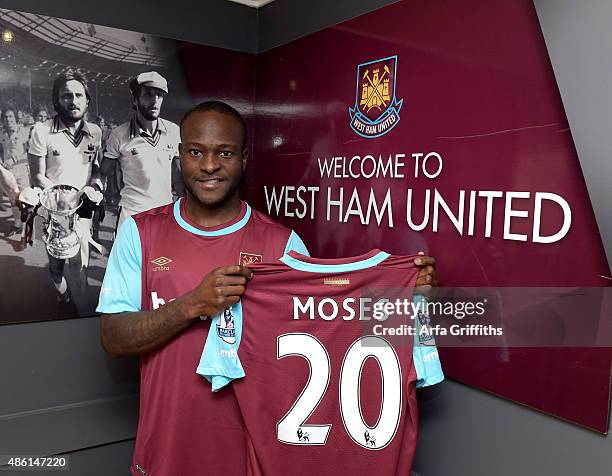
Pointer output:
x,y
249,258
225,328
376,109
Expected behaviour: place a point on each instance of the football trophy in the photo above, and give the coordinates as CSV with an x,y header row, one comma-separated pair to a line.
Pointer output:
x,y
67,221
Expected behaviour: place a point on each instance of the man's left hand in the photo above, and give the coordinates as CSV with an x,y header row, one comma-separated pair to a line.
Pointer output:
x,y
427,278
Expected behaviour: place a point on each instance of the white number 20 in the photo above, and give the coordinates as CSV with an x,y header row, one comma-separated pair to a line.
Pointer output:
x,y
291,428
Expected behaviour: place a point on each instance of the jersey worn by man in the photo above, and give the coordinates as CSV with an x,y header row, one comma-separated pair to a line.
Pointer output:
x,y
159,255
146,163
327,388
69,158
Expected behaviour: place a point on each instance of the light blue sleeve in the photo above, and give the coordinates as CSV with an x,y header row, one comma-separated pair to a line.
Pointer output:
x,y
295,243
219,362
121,289
425,353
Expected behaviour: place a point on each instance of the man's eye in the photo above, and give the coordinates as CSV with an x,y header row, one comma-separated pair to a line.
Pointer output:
x,y
226,154
195,152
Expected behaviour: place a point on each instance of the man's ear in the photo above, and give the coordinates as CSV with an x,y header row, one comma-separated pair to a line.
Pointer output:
x,y
180,148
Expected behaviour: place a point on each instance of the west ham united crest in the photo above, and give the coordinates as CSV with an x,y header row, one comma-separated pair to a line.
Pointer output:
x,y
376,109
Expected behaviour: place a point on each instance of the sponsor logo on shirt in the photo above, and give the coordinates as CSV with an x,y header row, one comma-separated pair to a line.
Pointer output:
x,y
225,328
161,263
249,258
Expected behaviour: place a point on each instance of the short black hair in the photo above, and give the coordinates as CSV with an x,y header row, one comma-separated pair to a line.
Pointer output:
x,y
61,81
223,108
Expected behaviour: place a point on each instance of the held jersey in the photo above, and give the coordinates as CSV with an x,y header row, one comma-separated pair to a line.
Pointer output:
x,y
329,372
159,255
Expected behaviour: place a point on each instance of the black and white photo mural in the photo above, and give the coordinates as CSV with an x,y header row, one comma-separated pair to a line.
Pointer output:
x,y
88,137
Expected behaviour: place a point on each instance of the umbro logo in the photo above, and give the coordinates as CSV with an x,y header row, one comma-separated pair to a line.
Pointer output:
x,y
162,263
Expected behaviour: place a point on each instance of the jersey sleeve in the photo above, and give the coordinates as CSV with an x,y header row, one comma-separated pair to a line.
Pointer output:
x,y
38,141
219,362
121,289
295,243
425,353
112,147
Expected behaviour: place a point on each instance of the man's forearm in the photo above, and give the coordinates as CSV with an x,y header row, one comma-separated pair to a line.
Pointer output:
x,y
132,333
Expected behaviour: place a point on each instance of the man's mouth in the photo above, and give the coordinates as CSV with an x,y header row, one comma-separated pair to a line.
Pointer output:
x,y
209,183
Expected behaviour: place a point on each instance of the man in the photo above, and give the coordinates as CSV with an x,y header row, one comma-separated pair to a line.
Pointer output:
x,y
14,168
66,151
143,150
40,113
153,297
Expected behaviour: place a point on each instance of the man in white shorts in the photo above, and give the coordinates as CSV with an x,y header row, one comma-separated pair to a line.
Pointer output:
x,y
144,150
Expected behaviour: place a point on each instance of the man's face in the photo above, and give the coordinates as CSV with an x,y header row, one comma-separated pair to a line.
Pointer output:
x,y
72,101
9,120
149,102
41,116
212,158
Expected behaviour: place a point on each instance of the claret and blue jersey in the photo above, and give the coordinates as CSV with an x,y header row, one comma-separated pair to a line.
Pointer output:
x,y
323,392
159,255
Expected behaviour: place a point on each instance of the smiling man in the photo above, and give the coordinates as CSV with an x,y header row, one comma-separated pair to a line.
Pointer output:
x,y
173,265
144,150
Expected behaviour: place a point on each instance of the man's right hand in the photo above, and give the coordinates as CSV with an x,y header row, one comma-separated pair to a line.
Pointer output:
x,y
219,289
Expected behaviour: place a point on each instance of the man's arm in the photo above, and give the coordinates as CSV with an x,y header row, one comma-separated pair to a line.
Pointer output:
x,y
95,179
178,186
141,332
37,157
38,169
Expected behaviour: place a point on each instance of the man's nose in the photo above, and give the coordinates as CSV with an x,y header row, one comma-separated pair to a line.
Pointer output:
x,y
209,163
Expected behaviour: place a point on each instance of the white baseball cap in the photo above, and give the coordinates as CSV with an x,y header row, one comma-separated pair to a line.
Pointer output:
x,y
153,79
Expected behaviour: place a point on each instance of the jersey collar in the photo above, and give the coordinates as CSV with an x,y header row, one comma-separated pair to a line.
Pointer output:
x,y
136,130
59,126
230,227
318,265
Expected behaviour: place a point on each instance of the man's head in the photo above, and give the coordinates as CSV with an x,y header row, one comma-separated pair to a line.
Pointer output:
x,y
40,113
148,92
70,96
9,117
213,153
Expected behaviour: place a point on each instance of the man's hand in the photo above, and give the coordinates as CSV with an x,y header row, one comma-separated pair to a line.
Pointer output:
x,y
219,289
427,278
